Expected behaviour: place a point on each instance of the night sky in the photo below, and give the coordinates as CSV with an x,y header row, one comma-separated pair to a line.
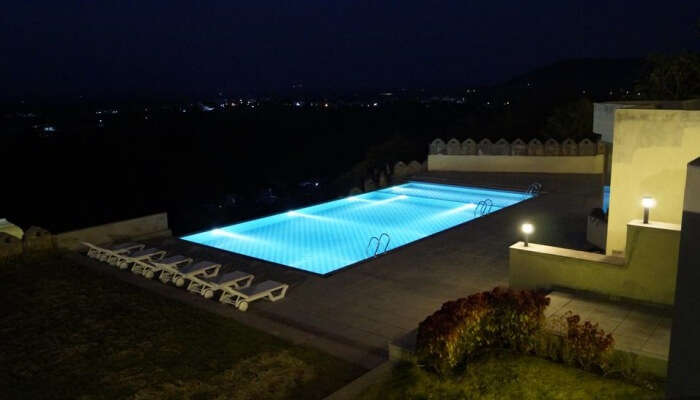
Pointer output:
x,y
179,47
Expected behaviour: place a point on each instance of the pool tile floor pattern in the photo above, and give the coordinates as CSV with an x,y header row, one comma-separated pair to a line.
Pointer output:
x,y
636,329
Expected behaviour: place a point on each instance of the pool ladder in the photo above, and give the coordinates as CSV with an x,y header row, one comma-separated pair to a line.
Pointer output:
x,y
379,242
534,188
483,207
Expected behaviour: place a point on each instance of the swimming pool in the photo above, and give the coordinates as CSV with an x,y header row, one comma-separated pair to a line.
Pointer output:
x,y
328,236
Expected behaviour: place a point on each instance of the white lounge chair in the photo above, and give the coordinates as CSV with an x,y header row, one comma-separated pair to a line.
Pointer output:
x,y
103,253
240,298
167,267
207,286
136,259
201,270
114,256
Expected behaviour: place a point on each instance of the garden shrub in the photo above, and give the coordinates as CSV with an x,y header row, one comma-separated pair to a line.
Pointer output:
x,y
461,329
581,344
507,319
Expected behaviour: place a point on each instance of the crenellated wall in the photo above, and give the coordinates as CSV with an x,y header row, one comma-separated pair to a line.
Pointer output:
x,y
517,147
552,156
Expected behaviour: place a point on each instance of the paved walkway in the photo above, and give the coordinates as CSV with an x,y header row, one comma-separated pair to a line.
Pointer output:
x,y
636,329
368,305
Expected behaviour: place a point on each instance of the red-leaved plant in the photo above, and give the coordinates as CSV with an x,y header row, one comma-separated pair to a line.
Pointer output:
x,y
588,346
461,329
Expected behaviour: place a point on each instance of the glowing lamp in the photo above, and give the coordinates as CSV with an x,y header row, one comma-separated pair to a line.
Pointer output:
x,y
527,229
647,202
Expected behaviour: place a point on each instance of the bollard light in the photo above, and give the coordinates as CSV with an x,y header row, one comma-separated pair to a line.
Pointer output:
x,y
527,229
647,202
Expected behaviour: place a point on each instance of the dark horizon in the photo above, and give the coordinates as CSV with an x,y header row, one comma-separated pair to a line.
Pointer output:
x,y
172,47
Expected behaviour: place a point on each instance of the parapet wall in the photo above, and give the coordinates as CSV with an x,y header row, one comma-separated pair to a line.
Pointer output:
x,y
518,164
517,147
567,157
132,229
646,274
37,240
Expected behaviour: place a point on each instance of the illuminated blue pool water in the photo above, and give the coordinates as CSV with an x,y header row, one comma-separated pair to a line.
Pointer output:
x,y
333,235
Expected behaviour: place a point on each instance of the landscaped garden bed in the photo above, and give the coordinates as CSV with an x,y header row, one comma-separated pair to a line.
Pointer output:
x,y
501,374
498,344
69,332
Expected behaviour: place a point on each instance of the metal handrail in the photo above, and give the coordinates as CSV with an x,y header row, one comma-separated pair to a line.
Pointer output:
x,y
379,242
534,188
370,243
483,207
386,246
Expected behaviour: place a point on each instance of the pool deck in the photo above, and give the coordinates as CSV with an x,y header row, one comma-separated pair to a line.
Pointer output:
x,y
367,305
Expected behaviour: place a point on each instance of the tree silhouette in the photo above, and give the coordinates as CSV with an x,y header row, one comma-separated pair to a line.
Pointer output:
x,y
671,77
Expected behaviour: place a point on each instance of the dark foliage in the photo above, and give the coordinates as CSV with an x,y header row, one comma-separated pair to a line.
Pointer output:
x,y
461,329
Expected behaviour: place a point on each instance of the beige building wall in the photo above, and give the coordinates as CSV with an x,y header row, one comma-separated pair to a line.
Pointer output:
x,y
651,149
646,274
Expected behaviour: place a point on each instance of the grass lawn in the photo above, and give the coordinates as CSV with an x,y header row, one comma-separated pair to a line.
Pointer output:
x,y
503,375
69,332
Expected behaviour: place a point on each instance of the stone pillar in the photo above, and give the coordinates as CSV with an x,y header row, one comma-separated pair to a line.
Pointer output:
x,y
10,246
684,357
37,239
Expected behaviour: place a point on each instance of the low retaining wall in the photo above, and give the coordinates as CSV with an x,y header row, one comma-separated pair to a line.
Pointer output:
x,y
646,274
132,229
524,164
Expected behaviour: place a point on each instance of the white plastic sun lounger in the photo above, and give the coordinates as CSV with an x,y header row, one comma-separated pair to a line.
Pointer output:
x,y
201,270
207,286
127,260
114,255
167,267
103,253
240,298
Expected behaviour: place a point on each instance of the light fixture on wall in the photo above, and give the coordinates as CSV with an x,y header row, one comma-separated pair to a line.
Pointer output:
x,y
527,229
647,202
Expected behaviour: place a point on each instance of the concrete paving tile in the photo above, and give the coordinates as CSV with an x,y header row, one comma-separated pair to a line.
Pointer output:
x,y
579,306
660,348
637,325
666,323
660,334
629,343
644,317
641,334
557,300
607,324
